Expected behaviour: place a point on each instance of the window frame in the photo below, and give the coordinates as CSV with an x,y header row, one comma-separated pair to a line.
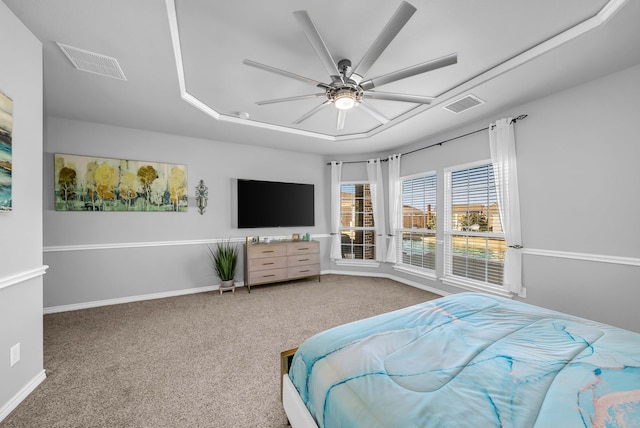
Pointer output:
x,y
354,229
449,278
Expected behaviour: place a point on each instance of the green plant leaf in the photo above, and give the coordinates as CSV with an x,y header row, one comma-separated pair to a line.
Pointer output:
x,y
224,257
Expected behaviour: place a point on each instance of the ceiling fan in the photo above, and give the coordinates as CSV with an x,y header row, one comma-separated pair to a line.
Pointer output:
x,y
348,89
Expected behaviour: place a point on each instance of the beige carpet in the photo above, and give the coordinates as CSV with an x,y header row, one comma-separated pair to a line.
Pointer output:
x,y
202,360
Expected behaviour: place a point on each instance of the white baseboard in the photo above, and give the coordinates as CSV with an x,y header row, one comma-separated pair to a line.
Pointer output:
x,y
21,395
130,299
175,293
388,276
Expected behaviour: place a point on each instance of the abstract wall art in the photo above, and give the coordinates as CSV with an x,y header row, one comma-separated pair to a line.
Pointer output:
x,y
85,183
6,163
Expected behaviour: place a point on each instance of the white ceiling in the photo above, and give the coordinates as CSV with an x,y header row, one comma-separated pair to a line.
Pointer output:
x,y
183,60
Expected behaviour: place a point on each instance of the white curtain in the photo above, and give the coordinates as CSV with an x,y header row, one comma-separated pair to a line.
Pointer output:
x,y
395,217
503,156
336,176
374,174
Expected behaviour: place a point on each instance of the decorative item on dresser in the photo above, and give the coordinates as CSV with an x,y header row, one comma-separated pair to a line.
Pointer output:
x,y
278,261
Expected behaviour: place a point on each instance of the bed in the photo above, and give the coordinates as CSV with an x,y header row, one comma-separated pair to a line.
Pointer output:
x,y
467,359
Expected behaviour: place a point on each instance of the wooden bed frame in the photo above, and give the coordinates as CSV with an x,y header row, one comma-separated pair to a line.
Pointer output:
x,y
297,413
285,362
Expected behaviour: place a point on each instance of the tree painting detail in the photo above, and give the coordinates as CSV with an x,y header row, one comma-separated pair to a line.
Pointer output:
x,y
6,163
84,183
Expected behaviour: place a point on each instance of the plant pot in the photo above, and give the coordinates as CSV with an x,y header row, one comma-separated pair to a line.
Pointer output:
x,y
227,285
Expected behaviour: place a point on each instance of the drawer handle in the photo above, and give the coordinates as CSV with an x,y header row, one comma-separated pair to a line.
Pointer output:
x,y
303,260
267,251
270,263
267,276
303,248
306,270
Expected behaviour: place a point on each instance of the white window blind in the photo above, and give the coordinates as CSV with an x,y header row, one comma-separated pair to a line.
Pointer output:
x,y
417,237
357,228
474,240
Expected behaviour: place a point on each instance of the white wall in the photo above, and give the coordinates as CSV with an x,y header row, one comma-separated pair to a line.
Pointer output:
x,y
21,229
106,256
578,155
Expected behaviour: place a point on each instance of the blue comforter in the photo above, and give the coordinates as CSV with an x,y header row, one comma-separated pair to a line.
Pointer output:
x,y
471,360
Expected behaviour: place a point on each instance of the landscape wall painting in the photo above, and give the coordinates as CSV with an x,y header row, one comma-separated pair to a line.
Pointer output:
x,y
6,163
84,183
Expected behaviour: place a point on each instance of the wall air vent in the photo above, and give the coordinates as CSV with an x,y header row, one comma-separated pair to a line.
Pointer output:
x,y
93,62
464,103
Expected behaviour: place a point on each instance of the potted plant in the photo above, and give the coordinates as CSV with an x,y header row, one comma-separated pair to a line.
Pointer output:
x,y
224,258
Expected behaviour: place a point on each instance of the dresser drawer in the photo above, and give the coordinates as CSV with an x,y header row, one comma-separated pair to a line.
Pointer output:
x,y
263,263
303,247
266,250
303,259
300,271
280,261
270,275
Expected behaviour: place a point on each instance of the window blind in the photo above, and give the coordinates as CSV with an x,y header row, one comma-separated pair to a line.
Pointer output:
x,y
417,240
474,240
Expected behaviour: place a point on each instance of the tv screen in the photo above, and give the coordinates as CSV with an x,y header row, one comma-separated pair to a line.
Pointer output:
x,y
274,204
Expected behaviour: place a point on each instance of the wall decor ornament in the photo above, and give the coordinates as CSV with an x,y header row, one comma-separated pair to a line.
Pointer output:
x,y
6,162
86,183
202,195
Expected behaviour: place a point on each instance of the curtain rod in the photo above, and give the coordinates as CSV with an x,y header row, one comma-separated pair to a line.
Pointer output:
x,y
514,120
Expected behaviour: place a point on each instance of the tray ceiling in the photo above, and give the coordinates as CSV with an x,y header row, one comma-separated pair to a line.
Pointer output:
x,y
183,62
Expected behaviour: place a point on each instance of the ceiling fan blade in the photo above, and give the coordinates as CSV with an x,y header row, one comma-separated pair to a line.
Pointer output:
x,y
342,116
299,97
285,73
311,112
410,71
373,112
318,44
390,96
390,31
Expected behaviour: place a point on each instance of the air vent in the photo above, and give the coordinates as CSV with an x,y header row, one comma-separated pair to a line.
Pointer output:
x,y
464,103
93,62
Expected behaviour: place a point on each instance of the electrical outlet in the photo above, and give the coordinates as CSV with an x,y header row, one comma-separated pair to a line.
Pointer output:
x,y
15,353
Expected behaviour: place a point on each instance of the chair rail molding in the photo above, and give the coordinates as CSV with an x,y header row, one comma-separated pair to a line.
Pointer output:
x,y
22,276
601,258
119,245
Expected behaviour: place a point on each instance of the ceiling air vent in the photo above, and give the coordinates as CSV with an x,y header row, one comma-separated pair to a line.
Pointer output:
x,y
464,103
93,62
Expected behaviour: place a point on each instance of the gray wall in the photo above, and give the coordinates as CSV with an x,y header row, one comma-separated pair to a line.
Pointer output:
x,y
578,167
105,256
21,229
577,163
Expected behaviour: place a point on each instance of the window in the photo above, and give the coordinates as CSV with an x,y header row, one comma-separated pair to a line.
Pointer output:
x,y
356,222
418,233
474,240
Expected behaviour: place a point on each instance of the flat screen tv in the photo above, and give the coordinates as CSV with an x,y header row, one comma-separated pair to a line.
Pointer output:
x,y
274,204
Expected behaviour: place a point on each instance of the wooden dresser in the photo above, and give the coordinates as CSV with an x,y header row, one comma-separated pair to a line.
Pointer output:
x,y
280,261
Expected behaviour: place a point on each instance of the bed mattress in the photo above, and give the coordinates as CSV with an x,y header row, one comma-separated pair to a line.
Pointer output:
x,y
471,360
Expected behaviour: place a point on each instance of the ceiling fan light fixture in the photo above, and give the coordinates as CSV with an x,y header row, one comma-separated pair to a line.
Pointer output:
x,y
344,100
347,88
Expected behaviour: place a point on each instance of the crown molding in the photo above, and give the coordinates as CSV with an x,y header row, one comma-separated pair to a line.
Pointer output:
x,y
596,21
